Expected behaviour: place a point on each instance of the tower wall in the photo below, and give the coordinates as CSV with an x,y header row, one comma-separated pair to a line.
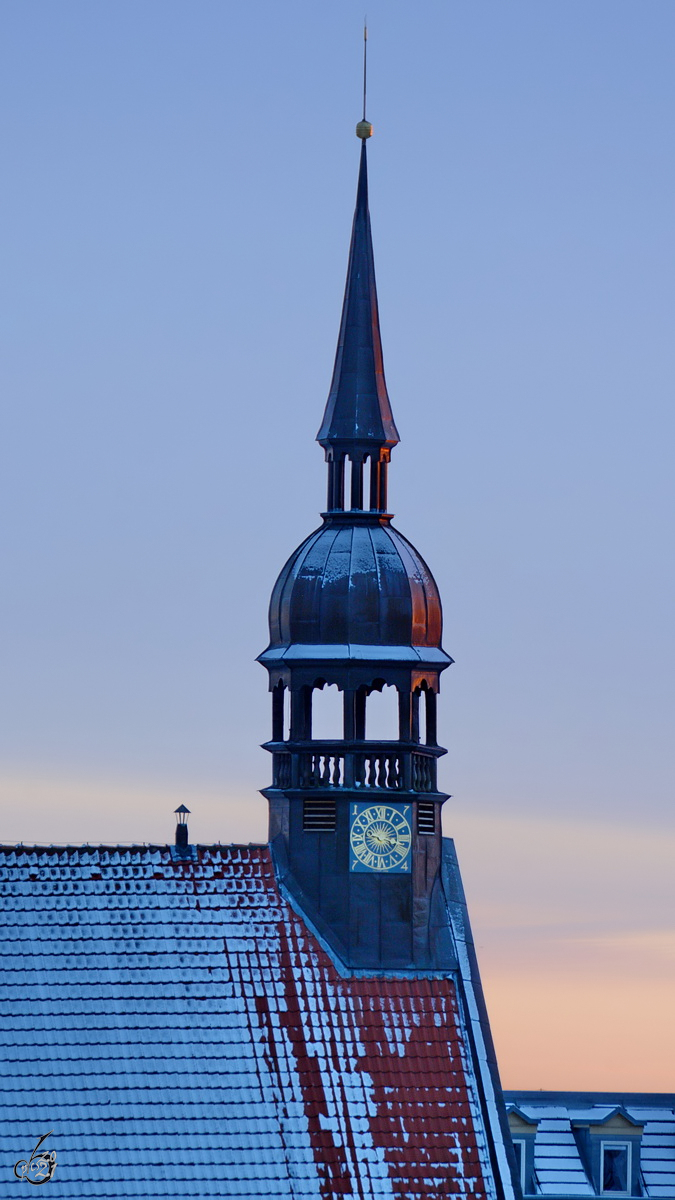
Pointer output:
x,y
372,920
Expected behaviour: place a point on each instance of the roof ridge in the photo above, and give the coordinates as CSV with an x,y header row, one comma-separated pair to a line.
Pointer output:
x,y
12,847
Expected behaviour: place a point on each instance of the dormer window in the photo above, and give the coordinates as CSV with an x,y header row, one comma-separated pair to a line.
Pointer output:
x,y
615,1168
610,1151
523,1133
519,1146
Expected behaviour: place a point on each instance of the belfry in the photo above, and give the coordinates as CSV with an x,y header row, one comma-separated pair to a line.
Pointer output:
x,y
355,824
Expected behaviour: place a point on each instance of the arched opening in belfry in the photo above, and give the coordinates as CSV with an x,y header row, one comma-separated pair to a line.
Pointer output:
x,y
424,715
376,493
421,714
281,713
287,713
373,491
354,490
382,713
336,482
327,713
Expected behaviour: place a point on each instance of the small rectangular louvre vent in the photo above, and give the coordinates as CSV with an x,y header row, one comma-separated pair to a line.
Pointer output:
x,y
426,816
318,816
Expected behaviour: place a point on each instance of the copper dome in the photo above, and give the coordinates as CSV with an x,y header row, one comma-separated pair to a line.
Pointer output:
x,y
357,583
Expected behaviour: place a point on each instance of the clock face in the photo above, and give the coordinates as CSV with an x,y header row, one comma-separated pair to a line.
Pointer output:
x,y
379,837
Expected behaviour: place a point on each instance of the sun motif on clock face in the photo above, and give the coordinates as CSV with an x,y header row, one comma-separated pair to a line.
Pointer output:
x,y
380,837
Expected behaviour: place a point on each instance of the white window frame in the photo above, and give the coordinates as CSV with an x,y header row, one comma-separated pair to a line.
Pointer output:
x,y
522,1142
616,1144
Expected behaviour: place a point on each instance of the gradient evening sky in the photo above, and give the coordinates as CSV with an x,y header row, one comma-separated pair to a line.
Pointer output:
x,y
178,186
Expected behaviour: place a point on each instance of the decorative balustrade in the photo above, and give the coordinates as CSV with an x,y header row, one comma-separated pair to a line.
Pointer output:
x,y
354,765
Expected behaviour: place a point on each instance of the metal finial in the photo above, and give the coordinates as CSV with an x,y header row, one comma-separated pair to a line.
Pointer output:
x,y
364,128
365,63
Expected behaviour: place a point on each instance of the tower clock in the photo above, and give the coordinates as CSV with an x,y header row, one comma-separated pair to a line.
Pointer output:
x,y
380,837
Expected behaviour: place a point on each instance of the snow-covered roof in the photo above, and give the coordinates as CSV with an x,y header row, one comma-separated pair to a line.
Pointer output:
x,y
559,1166
183,1033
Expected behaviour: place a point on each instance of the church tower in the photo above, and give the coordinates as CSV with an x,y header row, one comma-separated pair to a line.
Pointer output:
x,y
355,823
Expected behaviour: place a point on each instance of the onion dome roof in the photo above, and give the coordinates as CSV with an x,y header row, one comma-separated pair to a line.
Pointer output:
x,y
356,590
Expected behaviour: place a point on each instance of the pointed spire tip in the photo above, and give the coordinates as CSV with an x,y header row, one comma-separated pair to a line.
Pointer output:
x,y
358,413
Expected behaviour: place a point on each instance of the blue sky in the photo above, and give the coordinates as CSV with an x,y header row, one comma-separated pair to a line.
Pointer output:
x,y
178,188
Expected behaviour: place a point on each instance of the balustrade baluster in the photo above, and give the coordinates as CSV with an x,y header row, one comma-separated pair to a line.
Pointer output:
x,y
375,769
282,770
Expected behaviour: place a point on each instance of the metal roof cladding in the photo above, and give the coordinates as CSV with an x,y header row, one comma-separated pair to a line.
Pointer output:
x,y
356,580
355,584
358,411
184,1034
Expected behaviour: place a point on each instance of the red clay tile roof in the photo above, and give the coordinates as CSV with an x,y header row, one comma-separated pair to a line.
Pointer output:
x,y
184,1034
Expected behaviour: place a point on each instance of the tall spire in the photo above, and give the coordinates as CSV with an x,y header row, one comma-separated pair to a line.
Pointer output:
x,y
357,607
358,413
